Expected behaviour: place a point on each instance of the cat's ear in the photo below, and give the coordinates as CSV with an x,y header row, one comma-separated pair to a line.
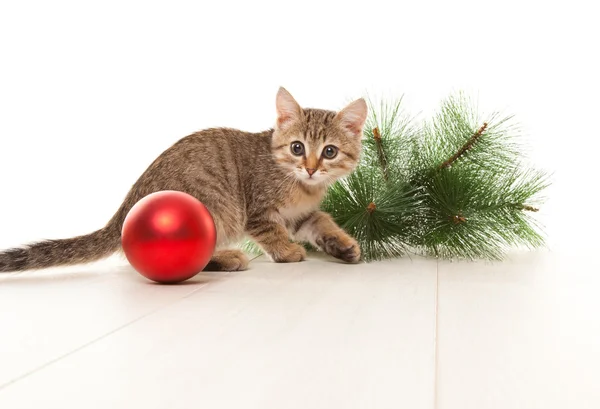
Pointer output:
x,y
352,118
288,110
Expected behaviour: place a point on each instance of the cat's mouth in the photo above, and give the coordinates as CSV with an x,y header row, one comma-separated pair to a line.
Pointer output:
x,y
312,178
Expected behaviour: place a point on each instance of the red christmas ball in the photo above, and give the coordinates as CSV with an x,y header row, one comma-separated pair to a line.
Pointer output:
x,y
168,236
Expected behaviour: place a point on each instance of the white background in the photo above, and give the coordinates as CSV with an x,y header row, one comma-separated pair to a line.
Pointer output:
x,y
91,93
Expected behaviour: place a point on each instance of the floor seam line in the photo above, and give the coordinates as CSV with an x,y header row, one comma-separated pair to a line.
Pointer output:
x,y
435,336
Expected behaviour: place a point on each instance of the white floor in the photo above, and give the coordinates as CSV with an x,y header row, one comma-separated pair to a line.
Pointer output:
x,y
416,333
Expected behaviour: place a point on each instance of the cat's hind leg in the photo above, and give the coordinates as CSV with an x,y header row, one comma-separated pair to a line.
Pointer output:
x,y
228,260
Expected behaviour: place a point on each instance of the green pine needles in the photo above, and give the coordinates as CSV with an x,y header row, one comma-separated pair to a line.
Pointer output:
x,y
455,186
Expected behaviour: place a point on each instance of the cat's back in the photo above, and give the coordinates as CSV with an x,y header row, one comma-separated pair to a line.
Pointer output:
x,y
223,144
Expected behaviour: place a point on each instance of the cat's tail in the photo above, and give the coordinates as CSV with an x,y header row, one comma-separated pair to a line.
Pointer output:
x,y
77,250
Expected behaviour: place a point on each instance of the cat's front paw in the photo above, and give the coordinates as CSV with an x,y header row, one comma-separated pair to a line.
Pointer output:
x,y
291,253
341,246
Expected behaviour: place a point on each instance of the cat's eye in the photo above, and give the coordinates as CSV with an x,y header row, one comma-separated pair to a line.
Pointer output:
x,y
330,152
297,148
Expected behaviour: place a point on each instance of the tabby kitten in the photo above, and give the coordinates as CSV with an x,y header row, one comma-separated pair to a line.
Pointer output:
x,y
266,185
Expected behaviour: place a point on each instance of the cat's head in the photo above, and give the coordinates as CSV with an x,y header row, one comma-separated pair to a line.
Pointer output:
x,y
316,146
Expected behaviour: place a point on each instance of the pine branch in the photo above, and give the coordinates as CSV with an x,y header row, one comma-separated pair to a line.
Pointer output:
x,y
371,207
378,214
389,139
528,208
458,218
380,153
477,208
467,146
478,213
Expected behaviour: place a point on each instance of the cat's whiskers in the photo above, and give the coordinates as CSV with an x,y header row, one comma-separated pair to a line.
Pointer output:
x,y
290,176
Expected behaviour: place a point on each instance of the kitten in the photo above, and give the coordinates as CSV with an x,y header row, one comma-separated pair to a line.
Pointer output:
x,y
267,186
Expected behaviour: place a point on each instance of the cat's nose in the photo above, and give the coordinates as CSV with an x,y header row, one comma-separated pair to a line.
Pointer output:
x,y
310,171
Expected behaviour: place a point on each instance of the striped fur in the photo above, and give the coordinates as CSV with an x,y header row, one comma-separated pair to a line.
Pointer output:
x,y
252,183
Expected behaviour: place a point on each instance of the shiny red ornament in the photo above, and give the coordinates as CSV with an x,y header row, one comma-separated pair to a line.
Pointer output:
x,y
168,236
